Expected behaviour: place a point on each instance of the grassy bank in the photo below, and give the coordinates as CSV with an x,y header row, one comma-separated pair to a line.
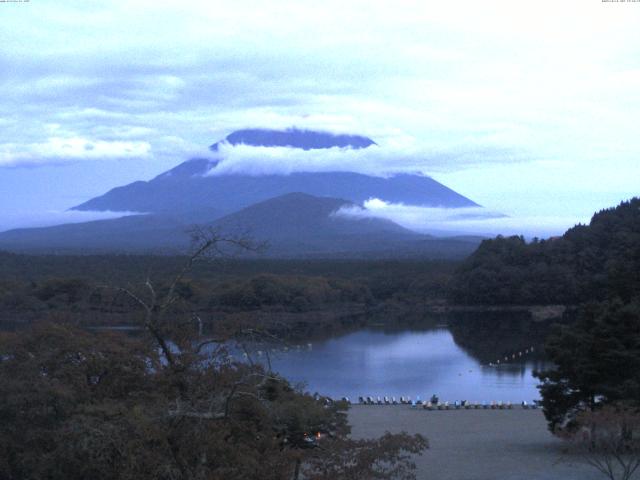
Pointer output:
x,y
476,444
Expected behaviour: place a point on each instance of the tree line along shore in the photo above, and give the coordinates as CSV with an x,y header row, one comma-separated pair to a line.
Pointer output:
x,y
128,392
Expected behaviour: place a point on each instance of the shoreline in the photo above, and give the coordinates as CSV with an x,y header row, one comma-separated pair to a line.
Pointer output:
x,y
537,312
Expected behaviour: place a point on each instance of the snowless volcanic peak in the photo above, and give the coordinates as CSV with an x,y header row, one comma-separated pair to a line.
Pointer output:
x,y
295,138
259,137
187,187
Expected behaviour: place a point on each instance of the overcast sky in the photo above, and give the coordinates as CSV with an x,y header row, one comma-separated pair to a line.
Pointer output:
x,y
528,108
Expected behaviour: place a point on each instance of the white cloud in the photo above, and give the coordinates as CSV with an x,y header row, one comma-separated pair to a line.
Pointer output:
x,y
461,86
62,149
461,221
400,154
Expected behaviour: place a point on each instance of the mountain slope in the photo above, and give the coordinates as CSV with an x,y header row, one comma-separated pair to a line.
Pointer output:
x,y
293,225
298,223
270,207
136,233
301,225
186,187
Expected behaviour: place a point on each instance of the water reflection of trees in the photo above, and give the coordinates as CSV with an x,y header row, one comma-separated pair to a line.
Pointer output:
x,y
492,336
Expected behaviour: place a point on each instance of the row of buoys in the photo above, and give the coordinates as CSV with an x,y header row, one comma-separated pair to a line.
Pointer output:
x,y
477,406
387,400
513,356
437,405
309,346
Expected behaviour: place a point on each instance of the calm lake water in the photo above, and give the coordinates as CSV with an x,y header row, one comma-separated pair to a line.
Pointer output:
x,y
377,363
452,362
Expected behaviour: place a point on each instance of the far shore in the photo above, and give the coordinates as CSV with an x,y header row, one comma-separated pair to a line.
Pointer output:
x,y
476,444
538,312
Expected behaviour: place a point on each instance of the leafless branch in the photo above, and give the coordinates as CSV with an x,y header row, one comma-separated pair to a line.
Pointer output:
x,y
203,344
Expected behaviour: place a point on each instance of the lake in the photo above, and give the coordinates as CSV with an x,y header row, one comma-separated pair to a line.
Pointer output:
x,y
453,361
408,363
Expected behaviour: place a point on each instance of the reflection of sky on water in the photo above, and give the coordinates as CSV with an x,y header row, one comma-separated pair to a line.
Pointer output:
x,y
406,363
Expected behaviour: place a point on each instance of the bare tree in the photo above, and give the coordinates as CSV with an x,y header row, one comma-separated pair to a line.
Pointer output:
x,y
608,439
206,244
173,404
179,334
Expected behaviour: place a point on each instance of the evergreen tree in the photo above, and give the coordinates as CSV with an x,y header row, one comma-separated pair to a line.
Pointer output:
x,y
597,362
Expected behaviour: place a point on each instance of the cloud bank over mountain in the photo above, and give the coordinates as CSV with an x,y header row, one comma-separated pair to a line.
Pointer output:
x,y
488,97
447,81
380,160
466,220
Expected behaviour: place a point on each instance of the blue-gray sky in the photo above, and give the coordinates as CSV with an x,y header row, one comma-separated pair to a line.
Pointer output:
x,y
528,108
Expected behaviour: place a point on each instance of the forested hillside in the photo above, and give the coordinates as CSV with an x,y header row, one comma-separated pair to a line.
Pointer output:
x,y
304,295
589,262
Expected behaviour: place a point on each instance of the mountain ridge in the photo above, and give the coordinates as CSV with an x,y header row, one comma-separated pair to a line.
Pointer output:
x,y
295,225
186,185
298,213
